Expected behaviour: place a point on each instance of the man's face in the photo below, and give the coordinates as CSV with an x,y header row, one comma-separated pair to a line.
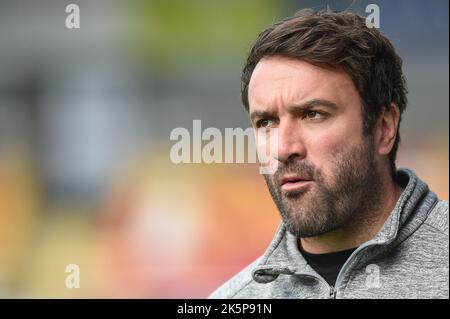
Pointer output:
x,y
326,177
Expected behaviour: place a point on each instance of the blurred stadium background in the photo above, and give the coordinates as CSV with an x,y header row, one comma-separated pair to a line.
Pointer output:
x,y
85,118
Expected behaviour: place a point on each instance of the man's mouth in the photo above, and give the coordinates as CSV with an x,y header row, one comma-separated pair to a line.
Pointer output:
x,y
293,182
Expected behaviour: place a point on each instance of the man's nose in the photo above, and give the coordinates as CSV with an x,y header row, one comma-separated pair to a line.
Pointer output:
x,y
290,141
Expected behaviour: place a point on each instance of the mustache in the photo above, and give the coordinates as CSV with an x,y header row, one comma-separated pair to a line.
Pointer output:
x,y
301,168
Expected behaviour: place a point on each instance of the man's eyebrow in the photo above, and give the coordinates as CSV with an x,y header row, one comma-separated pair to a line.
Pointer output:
x,y
313,103
296,108
261,114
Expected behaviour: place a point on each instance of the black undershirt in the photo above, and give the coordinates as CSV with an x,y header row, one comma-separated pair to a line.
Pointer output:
x,y
327,265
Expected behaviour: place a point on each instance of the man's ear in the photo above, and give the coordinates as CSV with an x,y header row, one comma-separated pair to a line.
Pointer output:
x,y
387,128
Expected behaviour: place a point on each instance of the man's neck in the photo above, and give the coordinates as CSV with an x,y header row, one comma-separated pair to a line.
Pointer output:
x,y
359,232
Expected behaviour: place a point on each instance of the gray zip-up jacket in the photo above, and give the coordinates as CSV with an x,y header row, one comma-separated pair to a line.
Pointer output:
x,y
408,258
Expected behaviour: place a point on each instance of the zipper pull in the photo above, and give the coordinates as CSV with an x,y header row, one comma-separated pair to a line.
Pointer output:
x,y
332,292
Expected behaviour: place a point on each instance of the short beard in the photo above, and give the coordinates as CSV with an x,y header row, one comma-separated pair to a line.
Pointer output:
x,y
343,200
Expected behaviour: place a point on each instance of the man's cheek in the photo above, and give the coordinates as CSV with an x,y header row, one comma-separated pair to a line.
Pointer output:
x,y
327,169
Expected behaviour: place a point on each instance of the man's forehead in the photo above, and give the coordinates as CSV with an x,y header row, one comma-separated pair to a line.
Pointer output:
x,y
277,81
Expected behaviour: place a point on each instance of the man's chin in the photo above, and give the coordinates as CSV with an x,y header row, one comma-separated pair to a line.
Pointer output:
x,y
308,232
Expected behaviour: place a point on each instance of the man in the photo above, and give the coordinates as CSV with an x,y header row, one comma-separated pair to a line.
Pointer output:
x,y
353,226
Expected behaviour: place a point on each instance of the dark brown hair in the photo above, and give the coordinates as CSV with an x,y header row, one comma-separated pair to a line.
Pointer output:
x,y
340,40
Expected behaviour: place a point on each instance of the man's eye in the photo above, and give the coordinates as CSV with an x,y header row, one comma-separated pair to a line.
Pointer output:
x,y
263,123
314,115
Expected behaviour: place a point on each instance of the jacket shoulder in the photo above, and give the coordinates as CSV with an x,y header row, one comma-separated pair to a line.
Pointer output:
x,y
438,217
236,284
